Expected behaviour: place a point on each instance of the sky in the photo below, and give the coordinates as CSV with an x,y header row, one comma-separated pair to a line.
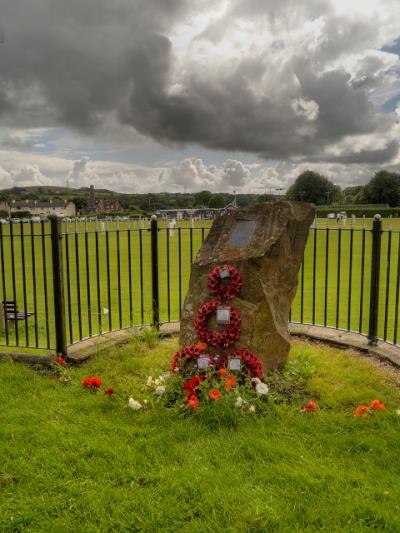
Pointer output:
x,y
181,96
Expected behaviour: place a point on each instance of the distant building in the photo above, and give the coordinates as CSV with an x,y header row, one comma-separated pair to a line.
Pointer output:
x,y
61,208
103,205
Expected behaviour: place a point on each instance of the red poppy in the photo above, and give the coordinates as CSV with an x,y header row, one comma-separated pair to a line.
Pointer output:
x,y
59,361
191,384
376,405
214,394
193,401
109,392
201,346
310,406
92,382
230,382
361,411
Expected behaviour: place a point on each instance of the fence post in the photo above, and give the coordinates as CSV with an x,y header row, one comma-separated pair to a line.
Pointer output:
x,y
58,285
375,271
154,271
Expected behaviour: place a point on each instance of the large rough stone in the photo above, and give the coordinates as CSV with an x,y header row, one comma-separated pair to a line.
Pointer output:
x,y
268,253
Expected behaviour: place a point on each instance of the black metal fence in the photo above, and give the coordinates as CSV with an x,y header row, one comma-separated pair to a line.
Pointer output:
x,y
68,282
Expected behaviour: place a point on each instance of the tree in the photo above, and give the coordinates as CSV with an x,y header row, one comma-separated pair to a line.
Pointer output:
x,y
312,187
383,188
79,201
203,198
353,195
217,201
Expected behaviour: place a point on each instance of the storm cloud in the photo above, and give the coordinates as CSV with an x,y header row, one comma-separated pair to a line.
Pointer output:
x,y
294,87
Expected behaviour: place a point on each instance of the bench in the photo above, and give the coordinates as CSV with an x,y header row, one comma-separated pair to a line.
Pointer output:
x,y
9,311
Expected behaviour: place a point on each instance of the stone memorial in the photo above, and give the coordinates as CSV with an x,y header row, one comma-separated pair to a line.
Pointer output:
x,y
250,260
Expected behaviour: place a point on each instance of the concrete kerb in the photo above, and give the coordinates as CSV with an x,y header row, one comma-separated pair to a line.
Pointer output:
x,y
83,350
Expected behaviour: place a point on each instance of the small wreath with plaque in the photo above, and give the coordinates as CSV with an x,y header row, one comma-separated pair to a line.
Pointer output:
x,y
226,316
245,358
225,282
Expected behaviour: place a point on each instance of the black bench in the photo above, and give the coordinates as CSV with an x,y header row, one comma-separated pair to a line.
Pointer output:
x,y
11,312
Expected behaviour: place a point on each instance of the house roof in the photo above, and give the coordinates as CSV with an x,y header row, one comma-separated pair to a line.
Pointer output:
x,y
30,204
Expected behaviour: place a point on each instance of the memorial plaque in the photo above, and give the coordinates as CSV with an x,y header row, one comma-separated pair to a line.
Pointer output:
x,y
224,274
203,363
242,233
223,315
234,364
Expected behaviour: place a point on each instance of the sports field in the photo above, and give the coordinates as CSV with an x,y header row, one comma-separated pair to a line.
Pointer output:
x,y
107,277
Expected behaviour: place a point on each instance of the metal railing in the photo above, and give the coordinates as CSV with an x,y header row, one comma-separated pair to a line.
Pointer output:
x,y
85,279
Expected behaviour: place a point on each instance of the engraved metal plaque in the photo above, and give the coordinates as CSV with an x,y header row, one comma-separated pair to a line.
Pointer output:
x,y
203,362
242,233
223,315
224,274
234,364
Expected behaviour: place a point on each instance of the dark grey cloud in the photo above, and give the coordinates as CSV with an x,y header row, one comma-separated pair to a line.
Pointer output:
x,y
74,63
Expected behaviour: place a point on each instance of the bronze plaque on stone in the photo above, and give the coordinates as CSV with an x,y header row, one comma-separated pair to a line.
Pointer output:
x,y
242,233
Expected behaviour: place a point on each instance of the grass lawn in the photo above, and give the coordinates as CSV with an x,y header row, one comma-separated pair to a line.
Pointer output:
x,y
118,293
81,462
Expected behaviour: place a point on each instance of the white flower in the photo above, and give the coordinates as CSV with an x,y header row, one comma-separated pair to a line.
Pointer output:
x,y
239,401
149,381
262,389
105,311
166,376
256,380
252,409
160,390
134,404
398,412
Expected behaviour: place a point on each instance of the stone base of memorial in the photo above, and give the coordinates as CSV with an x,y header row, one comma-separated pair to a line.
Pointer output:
x,y
265,244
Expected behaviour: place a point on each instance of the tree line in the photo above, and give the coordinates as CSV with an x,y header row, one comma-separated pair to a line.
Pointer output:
x,y
383,188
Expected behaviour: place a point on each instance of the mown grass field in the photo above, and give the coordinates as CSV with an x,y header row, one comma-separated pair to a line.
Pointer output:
x,y
75,461
127,298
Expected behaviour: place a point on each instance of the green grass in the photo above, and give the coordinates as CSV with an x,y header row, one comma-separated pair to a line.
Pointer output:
x,y
76,461
342,299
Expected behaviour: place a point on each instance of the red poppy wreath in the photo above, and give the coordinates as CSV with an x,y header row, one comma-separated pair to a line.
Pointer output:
x,y
250,361
182,356
217,339
217,285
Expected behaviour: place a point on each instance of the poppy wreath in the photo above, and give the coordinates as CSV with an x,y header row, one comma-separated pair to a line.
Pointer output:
x,y
186,354
251,361
216,286
222,339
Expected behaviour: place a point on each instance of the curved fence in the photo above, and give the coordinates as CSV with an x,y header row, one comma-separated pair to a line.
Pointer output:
x,y
61,283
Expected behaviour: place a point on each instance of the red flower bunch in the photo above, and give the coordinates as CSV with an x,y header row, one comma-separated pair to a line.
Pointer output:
x,y
191,385
109,392
193,401
310,406
214,394
59,361
216,286
92,383
361,411
364,410
376,405
251,361
187,353
230,382
229,335
201,346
